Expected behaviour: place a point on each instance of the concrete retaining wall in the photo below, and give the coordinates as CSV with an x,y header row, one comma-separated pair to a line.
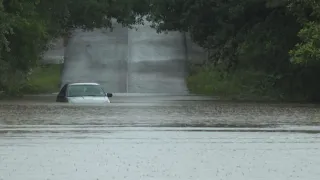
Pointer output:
x,y
128,61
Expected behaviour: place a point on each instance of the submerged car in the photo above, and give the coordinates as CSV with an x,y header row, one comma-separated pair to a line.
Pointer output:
x,y
80,93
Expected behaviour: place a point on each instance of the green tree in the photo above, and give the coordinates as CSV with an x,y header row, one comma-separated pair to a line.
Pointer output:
x,y
23,40
26,27
308,14
259,35
230,29
264,36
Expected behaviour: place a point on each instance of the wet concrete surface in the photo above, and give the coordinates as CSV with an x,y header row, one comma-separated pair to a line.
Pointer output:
x,y
156,62
97,56
128,60
155,138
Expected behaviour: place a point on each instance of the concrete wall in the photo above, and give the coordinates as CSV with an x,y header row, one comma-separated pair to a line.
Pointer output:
x,y
129,60
99,56
156,61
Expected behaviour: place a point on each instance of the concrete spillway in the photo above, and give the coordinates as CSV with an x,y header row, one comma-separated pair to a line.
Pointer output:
x,y
129,60
156,62
98,56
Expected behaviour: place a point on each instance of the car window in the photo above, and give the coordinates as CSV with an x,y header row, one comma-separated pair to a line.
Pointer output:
x,y
85,90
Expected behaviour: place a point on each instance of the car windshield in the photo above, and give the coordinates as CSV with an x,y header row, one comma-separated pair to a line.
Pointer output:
x,y
85,90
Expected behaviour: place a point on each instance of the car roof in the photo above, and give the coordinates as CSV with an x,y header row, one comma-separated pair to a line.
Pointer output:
x,y
94,84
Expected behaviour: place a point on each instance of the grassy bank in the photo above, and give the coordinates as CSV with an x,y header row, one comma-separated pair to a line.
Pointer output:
x,y
44,79
247,85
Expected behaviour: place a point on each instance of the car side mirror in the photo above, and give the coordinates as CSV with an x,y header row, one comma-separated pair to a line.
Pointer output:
x,y
109,94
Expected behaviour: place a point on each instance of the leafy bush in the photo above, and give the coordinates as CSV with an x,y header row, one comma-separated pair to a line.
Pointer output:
x,y
44,79
240,84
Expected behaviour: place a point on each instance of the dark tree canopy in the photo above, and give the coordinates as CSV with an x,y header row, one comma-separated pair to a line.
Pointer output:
x,y
279,37
26,27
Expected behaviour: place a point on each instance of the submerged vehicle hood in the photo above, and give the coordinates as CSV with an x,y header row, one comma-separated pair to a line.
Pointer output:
x,y
88,100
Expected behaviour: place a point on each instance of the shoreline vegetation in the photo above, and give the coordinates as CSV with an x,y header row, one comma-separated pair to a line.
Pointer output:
x,y
44,79
256,49
241,85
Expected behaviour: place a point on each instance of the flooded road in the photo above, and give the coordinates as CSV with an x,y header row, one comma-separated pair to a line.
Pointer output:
x,y
164,137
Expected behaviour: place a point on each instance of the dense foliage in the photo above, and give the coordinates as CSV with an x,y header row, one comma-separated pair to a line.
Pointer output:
x,y
26,27
279,40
